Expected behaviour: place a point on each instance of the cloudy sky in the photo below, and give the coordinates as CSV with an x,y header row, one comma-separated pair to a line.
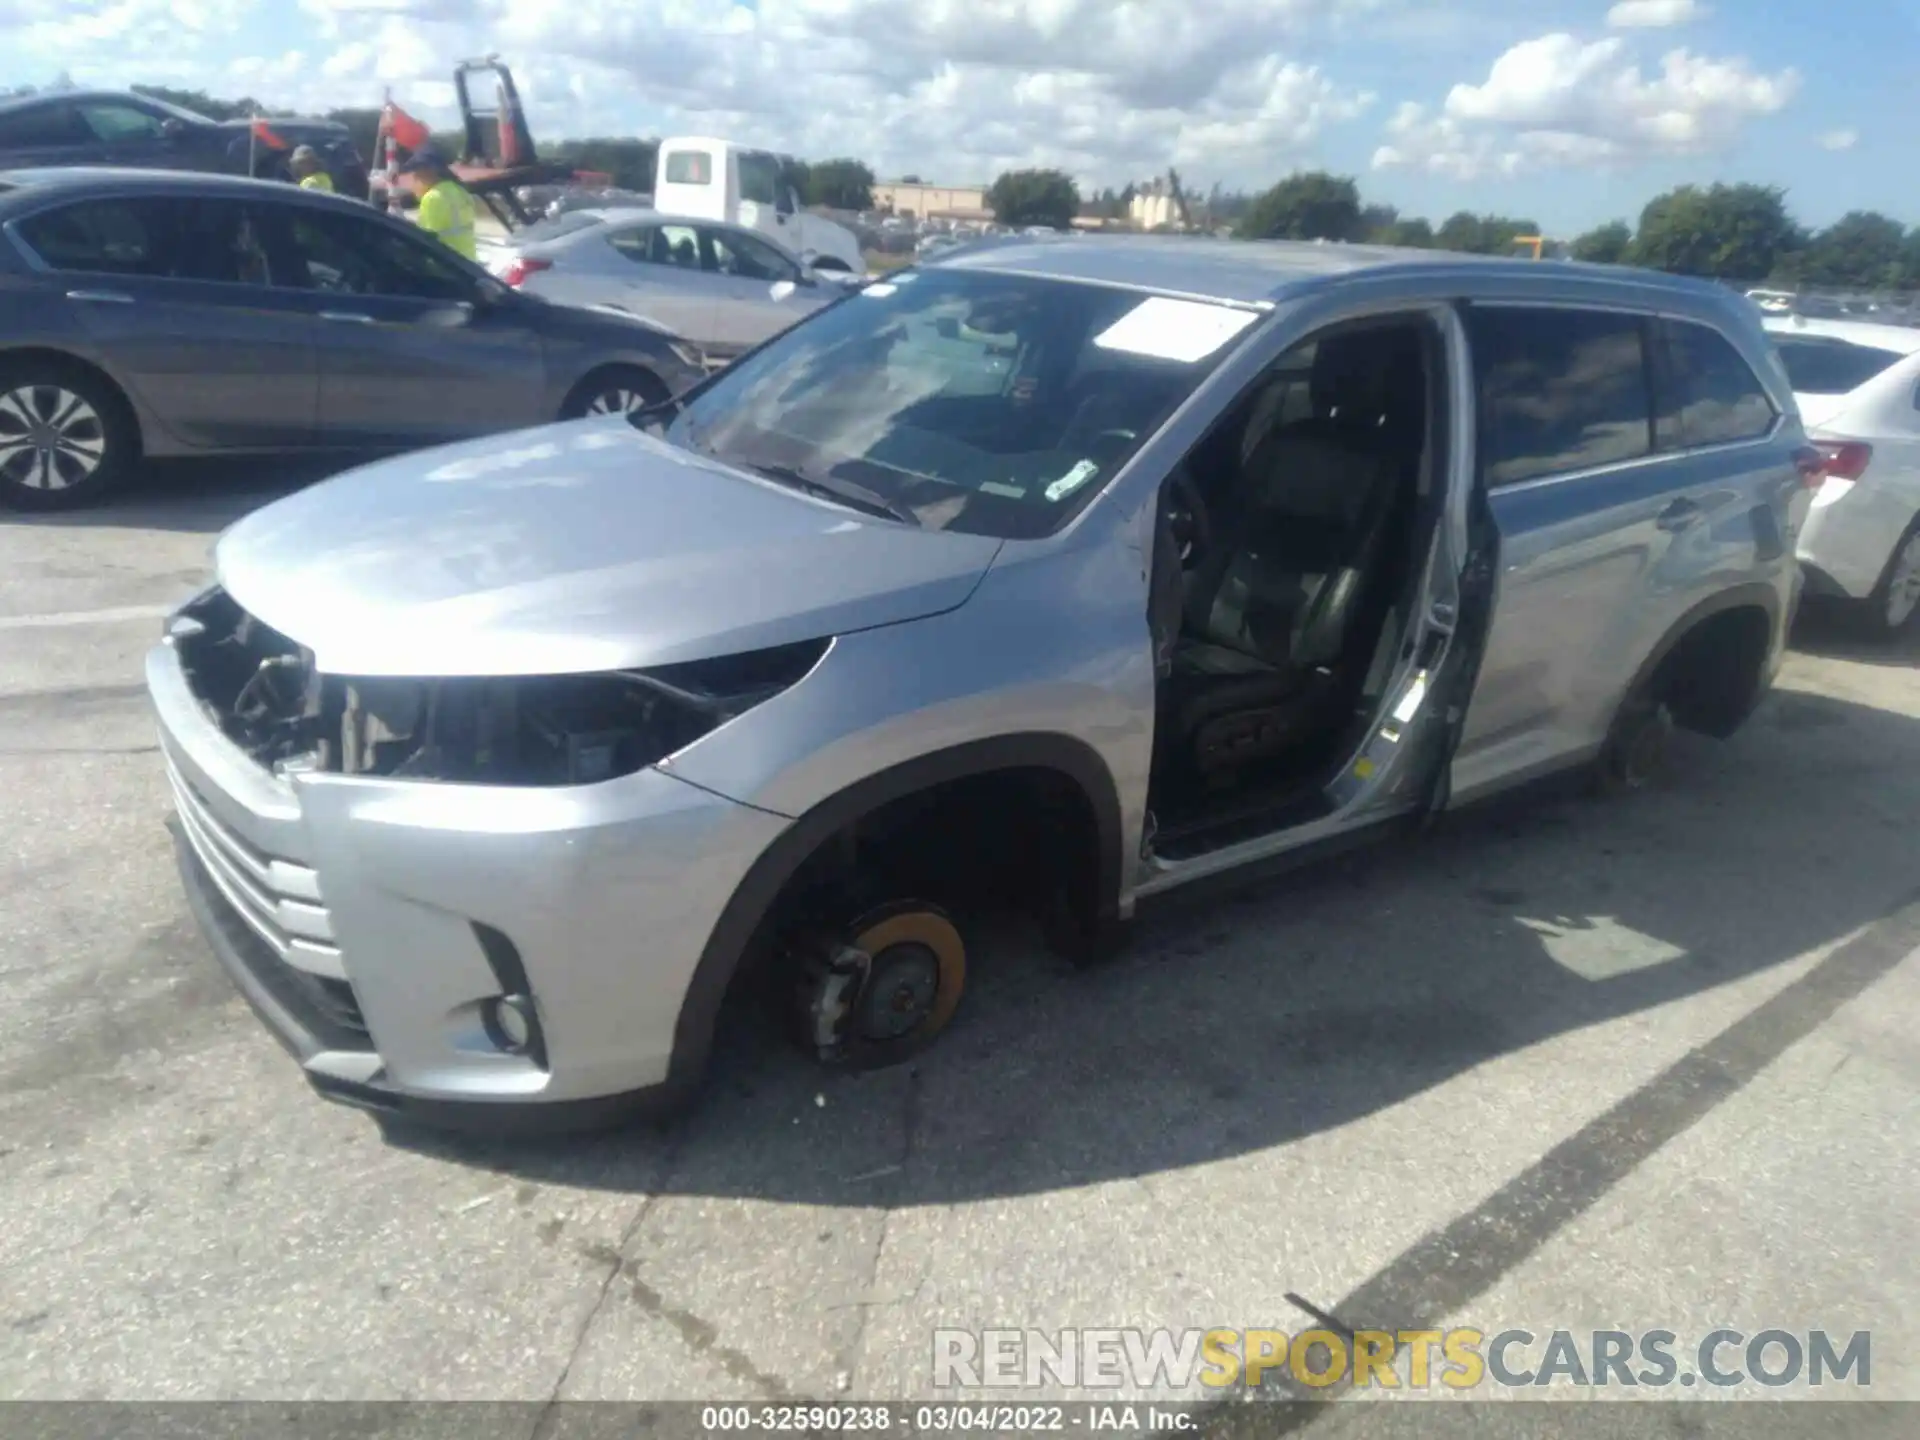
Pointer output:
x,y
1571,111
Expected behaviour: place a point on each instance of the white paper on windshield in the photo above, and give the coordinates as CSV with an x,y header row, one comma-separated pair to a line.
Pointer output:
x,y
1072,480
879,290
1182,330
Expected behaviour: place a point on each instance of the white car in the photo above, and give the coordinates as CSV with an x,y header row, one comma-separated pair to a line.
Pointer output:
x,y
723,288
1858,389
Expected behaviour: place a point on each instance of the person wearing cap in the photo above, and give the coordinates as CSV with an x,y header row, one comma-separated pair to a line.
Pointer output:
x,y
446,209
307,169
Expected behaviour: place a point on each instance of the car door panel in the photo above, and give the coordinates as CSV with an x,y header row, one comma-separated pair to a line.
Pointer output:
x,y
1575,489
411,350
176,292
746,271
662,277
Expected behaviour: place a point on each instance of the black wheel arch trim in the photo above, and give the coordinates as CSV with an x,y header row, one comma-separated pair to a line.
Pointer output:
x,y
754,896
1750,595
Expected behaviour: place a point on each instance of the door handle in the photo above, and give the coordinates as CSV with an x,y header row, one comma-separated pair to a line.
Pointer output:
x,y
346,317
1678,516
100,297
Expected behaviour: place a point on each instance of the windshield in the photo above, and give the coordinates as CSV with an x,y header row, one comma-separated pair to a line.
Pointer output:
x,y
992,404
1832,367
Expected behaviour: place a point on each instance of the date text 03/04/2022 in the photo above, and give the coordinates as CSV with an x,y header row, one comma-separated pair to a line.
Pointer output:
x,y
982,1418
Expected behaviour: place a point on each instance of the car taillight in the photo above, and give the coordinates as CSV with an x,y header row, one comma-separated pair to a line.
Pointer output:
x,y
1843,459
520,267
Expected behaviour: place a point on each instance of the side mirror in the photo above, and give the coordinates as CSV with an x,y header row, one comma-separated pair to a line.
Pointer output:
x,y
172,129
787,202
781,289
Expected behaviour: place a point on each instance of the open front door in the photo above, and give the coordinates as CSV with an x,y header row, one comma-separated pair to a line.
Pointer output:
x,y
1407,760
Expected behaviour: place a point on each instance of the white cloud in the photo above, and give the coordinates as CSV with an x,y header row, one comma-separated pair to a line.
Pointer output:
x,y
1110,90
1556,102
1839,140
1653,14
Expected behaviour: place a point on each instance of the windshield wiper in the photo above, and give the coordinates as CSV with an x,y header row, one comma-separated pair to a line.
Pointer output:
x,y
846,492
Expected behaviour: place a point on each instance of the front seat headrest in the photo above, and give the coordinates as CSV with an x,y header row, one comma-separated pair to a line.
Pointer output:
x,y
1346,379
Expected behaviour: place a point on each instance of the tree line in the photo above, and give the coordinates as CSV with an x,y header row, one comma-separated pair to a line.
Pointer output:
x,y
1719,231
1727,232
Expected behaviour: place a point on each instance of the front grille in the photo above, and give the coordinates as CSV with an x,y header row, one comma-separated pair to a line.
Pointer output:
x,y
279,902
324,1008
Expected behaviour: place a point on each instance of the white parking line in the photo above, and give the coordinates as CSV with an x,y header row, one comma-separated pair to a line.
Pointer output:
x,y
115,615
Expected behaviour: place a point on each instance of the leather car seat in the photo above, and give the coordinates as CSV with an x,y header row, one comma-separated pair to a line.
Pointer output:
x,y
1271,616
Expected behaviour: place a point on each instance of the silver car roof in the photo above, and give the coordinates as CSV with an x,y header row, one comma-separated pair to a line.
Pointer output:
x,y
1265,271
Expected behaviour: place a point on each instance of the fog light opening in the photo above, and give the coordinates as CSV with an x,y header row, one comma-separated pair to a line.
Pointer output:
x,y
510,1024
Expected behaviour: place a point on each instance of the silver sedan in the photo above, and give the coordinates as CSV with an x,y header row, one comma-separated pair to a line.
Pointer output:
x,y
722,287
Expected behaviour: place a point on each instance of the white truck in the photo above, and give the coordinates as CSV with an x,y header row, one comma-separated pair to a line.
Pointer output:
x,y
710,179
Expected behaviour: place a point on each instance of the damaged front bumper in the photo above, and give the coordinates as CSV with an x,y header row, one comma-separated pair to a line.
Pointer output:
x,y
377,925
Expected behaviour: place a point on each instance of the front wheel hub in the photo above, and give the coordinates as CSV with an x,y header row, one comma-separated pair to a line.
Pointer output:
x,y
884,987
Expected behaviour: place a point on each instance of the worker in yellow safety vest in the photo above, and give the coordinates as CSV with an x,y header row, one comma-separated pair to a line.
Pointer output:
x,y
446,209
308,170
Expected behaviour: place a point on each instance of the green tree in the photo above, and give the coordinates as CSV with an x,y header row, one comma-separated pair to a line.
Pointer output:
x,y
1861,248
842,184
1909,275
1410,234
1377,222
1034,197
1482,234
1310,205
1726,232
1606,245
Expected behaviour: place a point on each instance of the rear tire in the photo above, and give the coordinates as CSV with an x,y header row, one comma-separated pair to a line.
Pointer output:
x,y
1639,751
67,436
617,390
1891,609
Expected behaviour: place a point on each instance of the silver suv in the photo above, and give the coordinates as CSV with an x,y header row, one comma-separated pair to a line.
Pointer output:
x,y
1057,572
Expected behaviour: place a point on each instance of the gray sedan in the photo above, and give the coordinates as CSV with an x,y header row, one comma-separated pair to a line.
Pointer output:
x,y
160,313
722,287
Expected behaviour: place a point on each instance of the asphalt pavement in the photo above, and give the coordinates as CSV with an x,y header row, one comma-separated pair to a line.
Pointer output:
x,y
1637,1064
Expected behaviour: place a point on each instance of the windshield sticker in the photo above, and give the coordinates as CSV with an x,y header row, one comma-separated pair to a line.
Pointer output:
x,y
880,289
1182,330
1012,492
1072,480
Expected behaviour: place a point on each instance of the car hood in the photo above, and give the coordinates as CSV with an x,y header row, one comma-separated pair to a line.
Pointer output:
x,y
573,548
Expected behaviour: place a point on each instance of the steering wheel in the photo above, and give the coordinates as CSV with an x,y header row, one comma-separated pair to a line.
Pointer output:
x,y
1188,518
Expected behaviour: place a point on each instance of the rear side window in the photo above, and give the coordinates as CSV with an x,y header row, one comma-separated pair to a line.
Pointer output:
x,y
42,125
1717,397
1560,390
161,238
1831,367
689,167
